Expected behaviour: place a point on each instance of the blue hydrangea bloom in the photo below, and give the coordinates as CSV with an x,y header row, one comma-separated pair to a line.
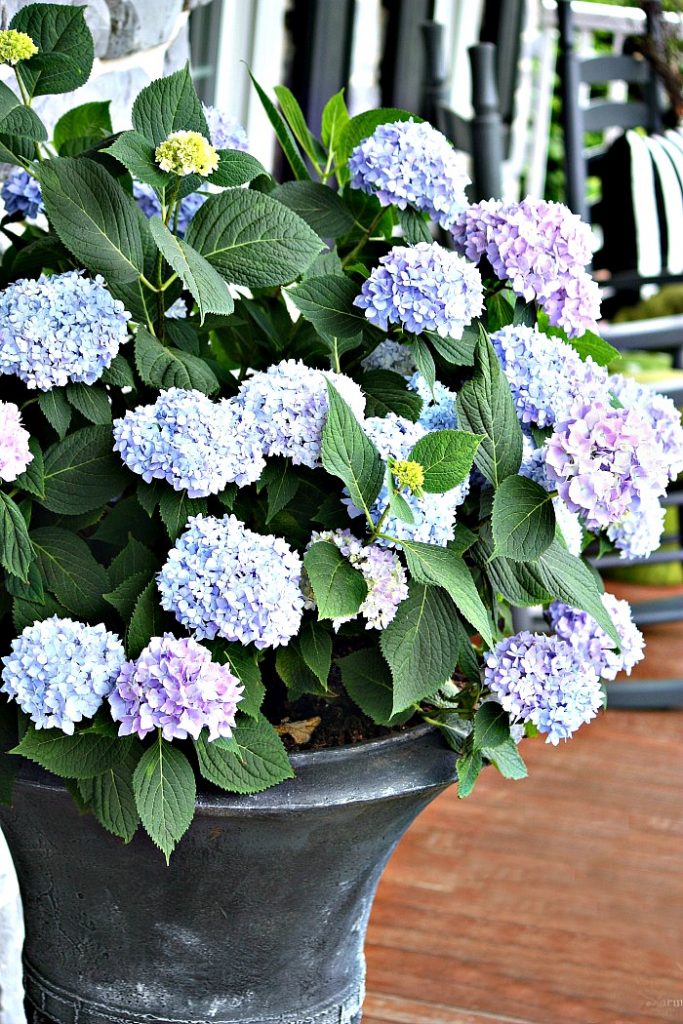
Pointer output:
x,y
438,411
391,355
545,374
408,164
59,671
148,202
662,414
590,641
225,132
222,579
543,680
640,532
175,686
60,329
288,407
21,194
433,514
423,287
192,443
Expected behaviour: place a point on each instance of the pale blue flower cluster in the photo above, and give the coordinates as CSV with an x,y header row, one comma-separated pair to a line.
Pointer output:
x,y
60,329
433,514
542,249
391,355
222,579
192,443
438,410
382,571
148,201
175,686
590,641
288,405
662,414
59,671
423,287
21,195
411,164
545,374
543,680
640,532
225,132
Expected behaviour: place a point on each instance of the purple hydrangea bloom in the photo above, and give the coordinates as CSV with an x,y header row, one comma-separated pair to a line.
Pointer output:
x,y
409,164
640,532
192,443
60,329
544,680
222,579
148,202
438,410
433,514
225,132
602,461
59,671
21,194
592,644
542,249
664,418
423,287
288,406
545,374
15,454
391,355
383,573
176,687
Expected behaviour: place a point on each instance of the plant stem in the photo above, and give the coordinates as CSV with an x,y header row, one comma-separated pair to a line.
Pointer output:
x,y
364,238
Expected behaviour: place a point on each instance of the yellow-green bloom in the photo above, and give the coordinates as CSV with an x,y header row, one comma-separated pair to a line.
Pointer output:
x,y
186,153
409,474
15,46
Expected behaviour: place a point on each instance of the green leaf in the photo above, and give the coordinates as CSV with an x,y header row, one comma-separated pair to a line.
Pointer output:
x,y
442,567
30,589
485,406
70,571
95,219
335,117
500,310
414,226
252,239
119,373
469,768
133,558
82,472
168,105
56,410
424,361
236,168
65,46
420,645
146,621
91,401
295,673
246,668
149,495
175,507
387,392
82,127
363,125
367,680
458,352
523,519
80,756
25,613
491,726
125,595
20,129
207,287
283,133
327,303
281,485
570,579
163,367
315,644
297,122
136,154
446,457
15,546
321,208
252,761
111,796
32,480
589,344
339,589
507,759
165,791
348,453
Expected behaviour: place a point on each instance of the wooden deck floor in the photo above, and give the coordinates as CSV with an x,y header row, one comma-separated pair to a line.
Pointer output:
x,y
557,900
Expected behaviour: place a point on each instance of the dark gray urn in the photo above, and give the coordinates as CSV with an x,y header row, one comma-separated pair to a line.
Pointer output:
x,y
261,916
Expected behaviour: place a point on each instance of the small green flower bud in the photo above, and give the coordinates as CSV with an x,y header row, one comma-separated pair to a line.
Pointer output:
x,y
409,474
15,46
186,153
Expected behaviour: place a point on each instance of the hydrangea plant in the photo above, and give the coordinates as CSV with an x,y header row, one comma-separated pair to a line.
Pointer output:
x,y
264,442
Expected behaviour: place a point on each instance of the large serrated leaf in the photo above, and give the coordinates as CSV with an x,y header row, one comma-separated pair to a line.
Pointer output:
x,y
348,453
163,367
491,726
80,756
387,392
111,798
322,209
235,168
148,620
32,480
469,768
56,410
165,791
367,680
166,105
82,472
339,589
251,762
206,285
175,507
523,519
65,48
327,303
70,571
507,759
315,644
82,126
136,154
91,401
15,547
446,457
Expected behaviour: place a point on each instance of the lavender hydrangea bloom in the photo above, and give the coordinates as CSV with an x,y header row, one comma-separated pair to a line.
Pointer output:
x,y
58,671
603,461
15,454
433,514
176,687
664,418
60,329
542,249
409,164
545,374
222,579
391,355
424,287
21,194
544,680
591,642
148,202
383,573
192,443
640,532
225,131
288,406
